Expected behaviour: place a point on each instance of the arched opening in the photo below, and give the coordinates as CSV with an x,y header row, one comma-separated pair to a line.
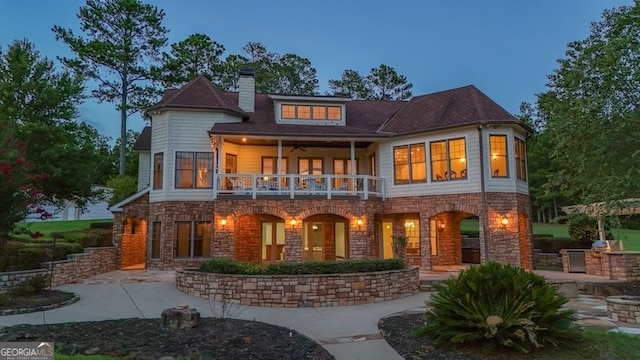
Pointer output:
x,y
133,249
259,238
325,237
454,239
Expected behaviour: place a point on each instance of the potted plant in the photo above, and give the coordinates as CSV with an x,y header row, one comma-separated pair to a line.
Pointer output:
x,y
399,246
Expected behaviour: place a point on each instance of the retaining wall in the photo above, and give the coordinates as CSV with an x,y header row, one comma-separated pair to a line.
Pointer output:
x,y
77,267
300,290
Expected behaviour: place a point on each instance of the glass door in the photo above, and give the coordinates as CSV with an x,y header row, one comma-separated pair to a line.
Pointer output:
x,y
272,241
313,242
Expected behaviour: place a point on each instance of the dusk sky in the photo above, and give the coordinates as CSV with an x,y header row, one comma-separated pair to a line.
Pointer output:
x,y
506,48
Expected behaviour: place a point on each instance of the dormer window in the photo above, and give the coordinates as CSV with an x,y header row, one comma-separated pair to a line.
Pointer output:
x,y
311,112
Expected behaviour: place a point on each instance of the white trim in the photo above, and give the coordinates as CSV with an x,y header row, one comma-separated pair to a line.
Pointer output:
x,y
118,207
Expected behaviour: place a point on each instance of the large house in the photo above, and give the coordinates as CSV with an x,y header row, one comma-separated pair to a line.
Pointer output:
x,y
272,177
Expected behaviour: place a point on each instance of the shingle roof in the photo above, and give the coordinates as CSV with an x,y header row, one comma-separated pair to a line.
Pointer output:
x,y
365,118
144,140
455,107
200,93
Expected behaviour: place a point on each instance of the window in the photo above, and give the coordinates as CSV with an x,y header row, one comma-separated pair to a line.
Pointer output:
x,y
412,232
158,160
433,236
192,239
410,164
448,160
194,170
498,149
521,160
308,112
155,240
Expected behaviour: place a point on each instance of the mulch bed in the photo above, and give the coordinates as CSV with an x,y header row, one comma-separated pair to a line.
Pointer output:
x,y
231,339
36,301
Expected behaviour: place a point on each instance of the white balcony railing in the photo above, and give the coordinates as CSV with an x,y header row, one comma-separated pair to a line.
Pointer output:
x,y
293,185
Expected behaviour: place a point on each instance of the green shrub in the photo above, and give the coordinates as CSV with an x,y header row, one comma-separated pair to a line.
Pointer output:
x,y
498,305
32,285
585,229
101,225
555,244
230,266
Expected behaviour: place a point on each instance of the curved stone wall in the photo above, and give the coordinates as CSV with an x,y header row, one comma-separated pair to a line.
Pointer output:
x,y
300,290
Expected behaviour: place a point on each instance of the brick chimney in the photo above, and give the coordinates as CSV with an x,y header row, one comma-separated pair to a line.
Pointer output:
x,y
246,90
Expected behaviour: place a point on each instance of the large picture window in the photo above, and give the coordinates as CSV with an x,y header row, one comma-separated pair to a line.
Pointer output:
x,y
498,149
521,160
158,173
448,160
192,239
410,164
194,170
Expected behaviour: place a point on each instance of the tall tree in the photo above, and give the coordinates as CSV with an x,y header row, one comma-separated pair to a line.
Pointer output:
x,y
382,83
38,126
121,43
350,84
387,84
274,73
295,75
194,56
592,109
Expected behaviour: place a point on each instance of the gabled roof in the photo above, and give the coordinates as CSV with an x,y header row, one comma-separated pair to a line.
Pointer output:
x,y
200,93
144,140
118,207
456,107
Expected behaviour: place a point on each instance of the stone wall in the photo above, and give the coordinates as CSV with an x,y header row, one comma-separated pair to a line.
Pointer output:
x,y
301,290
615,265
546,259
77,267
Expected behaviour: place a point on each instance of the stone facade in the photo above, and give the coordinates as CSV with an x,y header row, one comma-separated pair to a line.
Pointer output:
x,y
615,265
301,290
546,259
240,235
624,308
76,268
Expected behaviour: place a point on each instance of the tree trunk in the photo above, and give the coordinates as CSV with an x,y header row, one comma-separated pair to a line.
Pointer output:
x,y
123,126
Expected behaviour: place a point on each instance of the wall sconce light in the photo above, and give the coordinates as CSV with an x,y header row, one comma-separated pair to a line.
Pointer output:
x,y
359,222
441,227
223,222
504,221
409,224
293,222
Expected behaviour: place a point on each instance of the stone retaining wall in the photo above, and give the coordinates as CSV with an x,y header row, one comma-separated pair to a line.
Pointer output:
x,y
624,308
300,290
77,267
546,259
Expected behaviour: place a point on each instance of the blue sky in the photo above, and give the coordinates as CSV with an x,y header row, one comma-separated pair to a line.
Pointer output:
x,y
506,48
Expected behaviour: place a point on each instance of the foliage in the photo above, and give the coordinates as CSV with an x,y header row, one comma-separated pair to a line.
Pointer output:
x,y
34,284
399,246
498,305
550,244
230,266
274,73
382,83
122,187
585,229
42,148
121,43
591,110
197,55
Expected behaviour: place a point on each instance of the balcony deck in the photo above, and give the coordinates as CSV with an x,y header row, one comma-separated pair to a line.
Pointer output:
x,y
292,186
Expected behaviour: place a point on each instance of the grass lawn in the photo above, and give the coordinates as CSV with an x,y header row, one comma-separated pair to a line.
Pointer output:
x,y
630,238
48,227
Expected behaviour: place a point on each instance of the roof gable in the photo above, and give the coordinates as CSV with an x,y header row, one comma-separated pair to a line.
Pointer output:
x,y
198,93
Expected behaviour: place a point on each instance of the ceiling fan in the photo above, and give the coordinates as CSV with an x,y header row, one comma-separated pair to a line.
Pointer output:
x,y
297,147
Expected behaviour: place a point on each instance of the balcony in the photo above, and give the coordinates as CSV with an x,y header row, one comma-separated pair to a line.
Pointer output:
x,y
296,186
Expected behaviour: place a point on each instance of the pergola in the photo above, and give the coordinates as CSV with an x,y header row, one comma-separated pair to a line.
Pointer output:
x,y
601,209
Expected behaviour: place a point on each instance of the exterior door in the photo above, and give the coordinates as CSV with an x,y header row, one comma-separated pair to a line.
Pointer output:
x,y
387,241
342,167
313,241
272,241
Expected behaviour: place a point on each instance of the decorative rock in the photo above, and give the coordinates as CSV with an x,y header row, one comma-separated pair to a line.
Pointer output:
x,y
92,351
180,317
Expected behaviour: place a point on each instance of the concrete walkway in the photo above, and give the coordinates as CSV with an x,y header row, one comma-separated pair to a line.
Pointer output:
x,y
349,332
